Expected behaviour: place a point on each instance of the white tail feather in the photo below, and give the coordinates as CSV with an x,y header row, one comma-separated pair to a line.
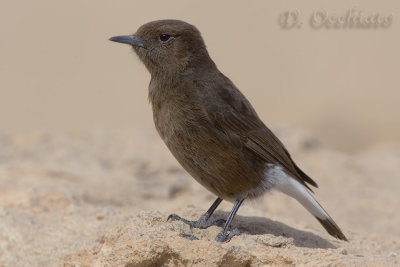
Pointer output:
x,y
284,183
277,179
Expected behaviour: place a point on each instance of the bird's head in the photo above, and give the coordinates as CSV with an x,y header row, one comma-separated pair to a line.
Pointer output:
x,y
167,47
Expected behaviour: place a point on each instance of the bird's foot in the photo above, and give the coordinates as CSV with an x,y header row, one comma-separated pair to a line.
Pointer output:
x,y
201,223
224,237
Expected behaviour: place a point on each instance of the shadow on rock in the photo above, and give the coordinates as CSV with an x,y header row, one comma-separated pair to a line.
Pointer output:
x,y
261,225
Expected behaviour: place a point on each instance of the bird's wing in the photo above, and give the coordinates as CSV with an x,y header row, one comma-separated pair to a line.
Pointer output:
x,y
256,137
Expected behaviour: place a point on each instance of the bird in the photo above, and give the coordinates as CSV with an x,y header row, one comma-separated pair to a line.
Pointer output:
x,y
212,129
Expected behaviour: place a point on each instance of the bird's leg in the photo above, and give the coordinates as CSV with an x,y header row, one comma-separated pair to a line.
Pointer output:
x,y
202,222
223,236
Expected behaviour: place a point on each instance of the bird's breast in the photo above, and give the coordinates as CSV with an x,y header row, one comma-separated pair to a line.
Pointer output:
x,y
170,120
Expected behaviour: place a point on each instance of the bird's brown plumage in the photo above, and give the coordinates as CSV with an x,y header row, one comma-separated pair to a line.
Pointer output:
x,y
205,121
194,105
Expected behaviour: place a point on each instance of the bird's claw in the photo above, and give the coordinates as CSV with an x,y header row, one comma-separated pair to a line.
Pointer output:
x,y
223,237
174,217
190,237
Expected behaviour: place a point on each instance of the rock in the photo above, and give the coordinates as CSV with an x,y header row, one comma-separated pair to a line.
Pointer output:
x,y
98,198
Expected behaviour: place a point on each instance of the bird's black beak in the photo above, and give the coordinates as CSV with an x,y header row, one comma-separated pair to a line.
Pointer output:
x,y
128,39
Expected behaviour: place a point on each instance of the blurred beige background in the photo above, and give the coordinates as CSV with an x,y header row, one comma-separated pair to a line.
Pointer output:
x,y
58,71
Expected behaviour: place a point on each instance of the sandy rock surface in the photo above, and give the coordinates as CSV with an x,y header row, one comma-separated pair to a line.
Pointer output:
x,y
100,198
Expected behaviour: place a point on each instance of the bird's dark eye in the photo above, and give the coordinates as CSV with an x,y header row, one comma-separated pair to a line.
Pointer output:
x,y
164,37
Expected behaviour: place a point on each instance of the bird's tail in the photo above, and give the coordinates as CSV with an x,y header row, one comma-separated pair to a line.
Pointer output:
x,y
296,190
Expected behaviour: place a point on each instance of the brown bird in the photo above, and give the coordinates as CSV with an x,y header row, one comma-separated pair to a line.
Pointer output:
x,y
212,129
